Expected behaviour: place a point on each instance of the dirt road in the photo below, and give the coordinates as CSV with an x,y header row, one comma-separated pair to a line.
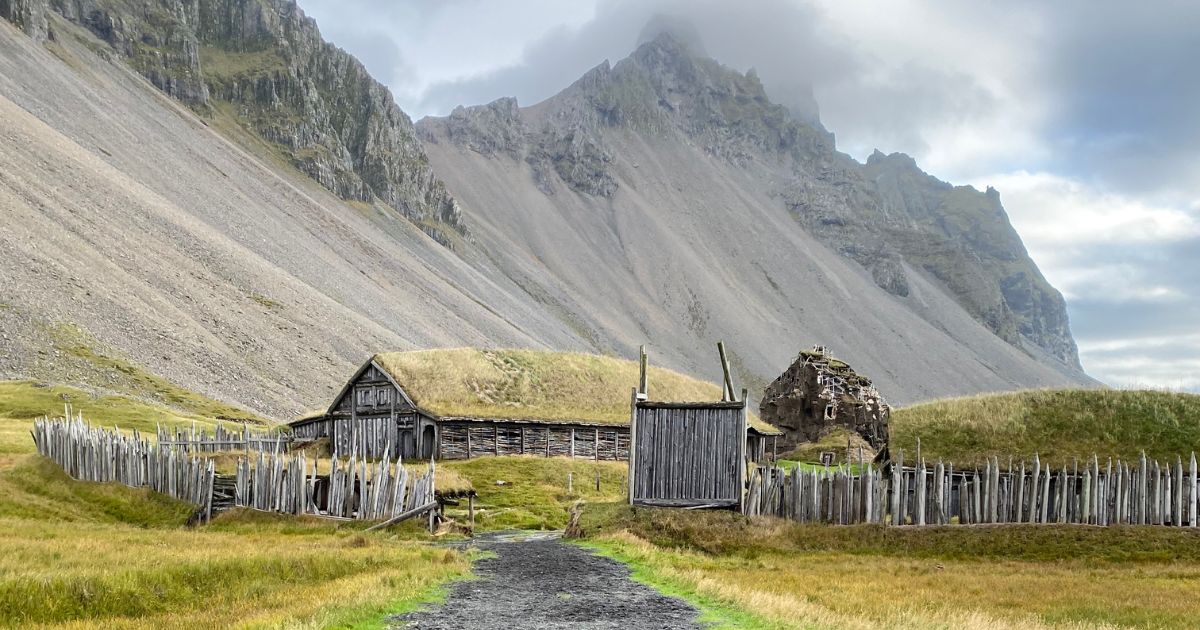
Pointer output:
x,y
538,582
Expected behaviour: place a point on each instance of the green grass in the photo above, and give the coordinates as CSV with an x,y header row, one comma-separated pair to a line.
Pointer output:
x,y
1059,425
535,384
834,442
534,493
769,573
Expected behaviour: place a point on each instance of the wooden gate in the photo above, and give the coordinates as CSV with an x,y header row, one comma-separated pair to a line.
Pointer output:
x,y
687,454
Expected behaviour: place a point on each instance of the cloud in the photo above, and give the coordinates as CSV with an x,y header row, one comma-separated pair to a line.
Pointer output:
x,y
1125,92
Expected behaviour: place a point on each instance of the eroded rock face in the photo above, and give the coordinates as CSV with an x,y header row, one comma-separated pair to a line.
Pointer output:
x,y
264,63
27,15
818,394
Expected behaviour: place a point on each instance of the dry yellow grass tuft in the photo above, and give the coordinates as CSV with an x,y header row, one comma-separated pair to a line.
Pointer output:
x,y
535,384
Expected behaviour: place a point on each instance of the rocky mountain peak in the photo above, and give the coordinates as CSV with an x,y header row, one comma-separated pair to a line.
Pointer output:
x,y
264,64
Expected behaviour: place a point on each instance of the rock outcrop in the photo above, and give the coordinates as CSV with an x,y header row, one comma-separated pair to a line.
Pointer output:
x,y
27,15
264,64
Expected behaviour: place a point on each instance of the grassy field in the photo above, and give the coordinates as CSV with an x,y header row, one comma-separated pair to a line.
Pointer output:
x,y
765,573
531,492
1059,425
78,554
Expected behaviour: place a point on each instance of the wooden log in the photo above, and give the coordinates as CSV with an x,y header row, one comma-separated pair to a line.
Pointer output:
x,y
404,516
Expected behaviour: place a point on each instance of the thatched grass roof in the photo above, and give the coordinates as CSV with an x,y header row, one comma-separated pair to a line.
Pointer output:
x,y
535,385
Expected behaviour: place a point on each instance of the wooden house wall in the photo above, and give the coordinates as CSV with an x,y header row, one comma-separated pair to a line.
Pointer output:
x,y
311,430
483,438
688,455
373,416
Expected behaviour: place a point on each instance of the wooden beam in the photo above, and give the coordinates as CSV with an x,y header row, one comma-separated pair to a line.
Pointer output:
x,y
633,403
643,385
725,368
404,516
741,452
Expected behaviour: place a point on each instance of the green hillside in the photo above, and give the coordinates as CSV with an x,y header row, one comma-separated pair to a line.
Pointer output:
x,y
1059,425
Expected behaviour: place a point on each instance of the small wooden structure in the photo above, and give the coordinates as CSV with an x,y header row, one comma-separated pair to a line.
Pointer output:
x,y
689,454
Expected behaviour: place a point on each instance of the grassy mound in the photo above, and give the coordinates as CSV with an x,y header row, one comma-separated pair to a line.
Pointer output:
x,y
535,384
1060,425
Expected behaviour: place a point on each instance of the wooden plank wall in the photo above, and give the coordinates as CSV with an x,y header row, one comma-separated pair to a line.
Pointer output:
x,y
688,455
1145,492
367,436
465,440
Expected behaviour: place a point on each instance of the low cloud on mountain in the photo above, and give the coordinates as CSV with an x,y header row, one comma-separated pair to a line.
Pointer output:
x,y
1082,114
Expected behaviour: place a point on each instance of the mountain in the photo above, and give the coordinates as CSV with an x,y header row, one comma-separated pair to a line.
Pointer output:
x,y
886,215
205,192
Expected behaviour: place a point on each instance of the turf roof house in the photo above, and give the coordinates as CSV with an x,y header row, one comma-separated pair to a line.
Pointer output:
x,y
464,402
819,393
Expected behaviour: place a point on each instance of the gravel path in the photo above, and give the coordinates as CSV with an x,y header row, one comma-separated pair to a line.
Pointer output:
x,y
539,582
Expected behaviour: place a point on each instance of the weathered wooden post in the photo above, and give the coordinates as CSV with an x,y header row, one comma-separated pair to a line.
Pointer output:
x,y
1034,489
726,372
1191,492
1177,513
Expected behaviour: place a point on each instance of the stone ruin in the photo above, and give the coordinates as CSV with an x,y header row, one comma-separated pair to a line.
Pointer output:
x,y
818,394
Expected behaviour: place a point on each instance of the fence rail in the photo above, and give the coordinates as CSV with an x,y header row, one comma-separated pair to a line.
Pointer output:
x,y
1122,493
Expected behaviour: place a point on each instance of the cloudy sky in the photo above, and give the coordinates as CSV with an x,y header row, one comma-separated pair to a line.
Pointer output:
x,y
1085,115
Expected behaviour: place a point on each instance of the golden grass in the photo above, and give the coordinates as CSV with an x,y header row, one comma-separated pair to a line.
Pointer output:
x,y
535,384
770,574
1060,425
82,555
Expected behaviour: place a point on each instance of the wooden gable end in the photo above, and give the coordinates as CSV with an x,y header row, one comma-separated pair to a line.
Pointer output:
x,y
370,393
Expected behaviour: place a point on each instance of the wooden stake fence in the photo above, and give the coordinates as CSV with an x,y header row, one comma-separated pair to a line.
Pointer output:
x,y
354,488
93,454
1118,493
266,479
221,439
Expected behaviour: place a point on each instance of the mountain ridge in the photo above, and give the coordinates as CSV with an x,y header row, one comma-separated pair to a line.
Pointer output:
x,y
879,213
157,235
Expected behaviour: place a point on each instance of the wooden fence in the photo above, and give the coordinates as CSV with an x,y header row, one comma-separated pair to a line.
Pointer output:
x,y
93,454
354,488
221,439
265,479
1122,493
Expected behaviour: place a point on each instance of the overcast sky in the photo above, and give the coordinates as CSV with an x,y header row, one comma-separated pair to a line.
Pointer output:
x,y
1085,115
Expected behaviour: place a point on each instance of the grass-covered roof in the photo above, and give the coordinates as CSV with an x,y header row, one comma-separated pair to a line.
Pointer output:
x,y
535,384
